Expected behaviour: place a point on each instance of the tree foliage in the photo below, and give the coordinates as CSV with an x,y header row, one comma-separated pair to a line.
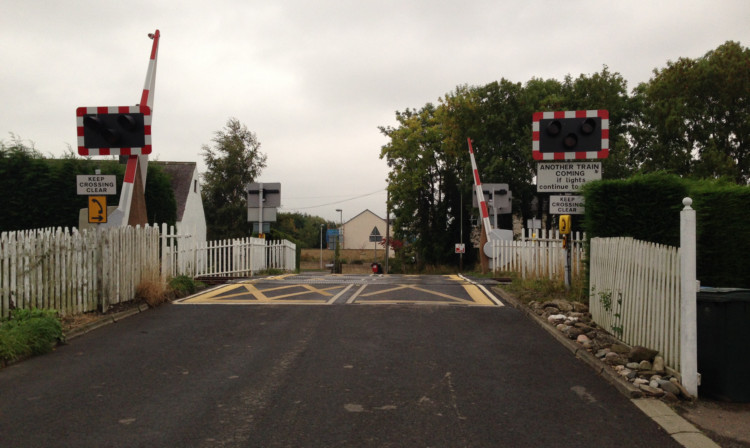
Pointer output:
x,y
232,163
302,228
694,116
691,119
431,179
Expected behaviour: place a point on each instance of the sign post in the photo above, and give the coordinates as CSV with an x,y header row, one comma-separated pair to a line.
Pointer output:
x,y
565,227
375,237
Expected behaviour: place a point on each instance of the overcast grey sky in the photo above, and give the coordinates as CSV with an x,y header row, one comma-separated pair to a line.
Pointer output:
x,y
315,79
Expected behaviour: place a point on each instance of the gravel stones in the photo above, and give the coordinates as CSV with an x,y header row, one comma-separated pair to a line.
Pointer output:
x,y
641,366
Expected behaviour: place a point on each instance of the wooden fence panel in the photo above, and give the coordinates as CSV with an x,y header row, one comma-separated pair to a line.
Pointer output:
x,y
73,271
634,293
76,272
538,254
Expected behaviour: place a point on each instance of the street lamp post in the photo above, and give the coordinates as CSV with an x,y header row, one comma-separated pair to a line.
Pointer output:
x,y
339,243
321,246
341,227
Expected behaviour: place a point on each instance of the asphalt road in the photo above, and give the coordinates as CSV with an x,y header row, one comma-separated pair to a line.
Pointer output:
x,y
317,376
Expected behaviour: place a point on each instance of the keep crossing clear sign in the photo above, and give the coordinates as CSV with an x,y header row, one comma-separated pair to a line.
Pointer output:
x,y
566,205
96,184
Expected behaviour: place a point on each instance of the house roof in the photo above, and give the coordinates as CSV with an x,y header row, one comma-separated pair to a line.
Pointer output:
x,y
362,213
180,176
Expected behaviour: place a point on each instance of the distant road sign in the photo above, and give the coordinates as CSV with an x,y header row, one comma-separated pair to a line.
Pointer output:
x,y
566,177
375,236
566,205
96,184
460,248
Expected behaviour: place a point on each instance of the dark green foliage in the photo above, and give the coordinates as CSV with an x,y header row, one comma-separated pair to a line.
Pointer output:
x,y
233,162
697,107
161,205
430,182
29,332
723,225
41,192
647,207
302,229
183,285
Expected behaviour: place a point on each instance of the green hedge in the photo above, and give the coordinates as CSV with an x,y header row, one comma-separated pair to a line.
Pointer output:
x,y
723,224
40,192
647,207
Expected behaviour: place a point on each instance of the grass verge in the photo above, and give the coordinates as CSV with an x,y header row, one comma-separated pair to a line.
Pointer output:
x,y
27,333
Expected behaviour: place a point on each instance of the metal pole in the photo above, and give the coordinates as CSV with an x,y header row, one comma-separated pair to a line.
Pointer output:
x,y
494,210
387,229
461,237
566,239
321,246
341,227
260,206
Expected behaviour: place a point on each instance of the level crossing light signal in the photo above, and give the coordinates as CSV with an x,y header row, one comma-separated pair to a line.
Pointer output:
x,y
114,130
582,134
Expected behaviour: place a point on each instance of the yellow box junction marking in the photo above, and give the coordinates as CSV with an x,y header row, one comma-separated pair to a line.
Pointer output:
x,y
248,293
476,295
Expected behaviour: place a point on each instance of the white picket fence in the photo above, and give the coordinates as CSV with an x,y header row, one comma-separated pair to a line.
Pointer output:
x,y
539,254
76,272
181,255
72,271
634,293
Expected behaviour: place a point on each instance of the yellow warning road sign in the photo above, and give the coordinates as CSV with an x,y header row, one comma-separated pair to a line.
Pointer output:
x,y
97,209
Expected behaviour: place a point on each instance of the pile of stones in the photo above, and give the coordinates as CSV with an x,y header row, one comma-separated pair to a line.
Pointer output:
x,y
641,366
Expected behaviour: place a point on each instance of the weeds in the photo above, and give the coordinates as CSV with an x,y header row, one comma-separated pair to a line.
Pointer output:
x,y
605,298
183,285
29,332
153,292
543,289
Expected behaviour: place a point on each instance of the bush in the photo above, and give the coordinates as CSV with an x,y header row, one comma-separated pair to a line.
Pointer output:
x,y
29,332
183,285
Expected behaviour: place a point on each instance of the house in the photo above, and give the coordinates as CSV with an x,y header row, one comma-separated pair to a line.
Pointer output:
x,y
357,231
184,177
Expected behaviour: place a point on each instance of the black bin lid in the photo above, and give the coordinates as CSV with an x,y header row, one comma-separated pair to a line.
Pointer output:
x,y
710,294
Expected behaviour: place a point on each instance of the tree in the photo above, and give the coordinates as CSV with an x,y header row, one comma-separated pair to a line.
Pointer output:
x,y
421,182
232,163
694,116
431,176
303,228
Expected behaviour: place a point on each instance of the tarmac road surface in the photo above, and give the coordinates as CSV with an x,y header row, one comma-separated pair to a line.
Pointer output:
x,y
385,375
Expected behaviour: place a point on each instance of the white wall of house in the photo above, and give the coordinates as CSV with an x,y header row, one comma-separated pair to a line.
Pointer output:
x,y
357,230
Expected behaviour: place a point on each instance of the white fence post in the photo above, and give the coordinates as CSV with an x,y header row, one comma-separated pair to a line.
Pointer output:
x,y
688,312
